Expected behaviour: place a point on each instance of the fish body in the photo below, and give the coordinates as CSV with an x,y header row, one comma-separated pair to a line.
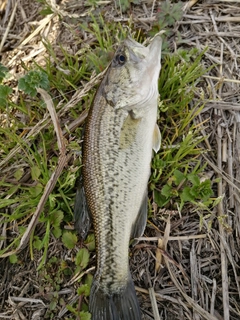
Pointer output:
x,y
120,133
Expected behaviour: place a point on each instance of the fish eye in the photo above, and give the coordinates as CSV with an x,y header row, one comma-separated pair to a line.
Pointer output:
x,y
120,59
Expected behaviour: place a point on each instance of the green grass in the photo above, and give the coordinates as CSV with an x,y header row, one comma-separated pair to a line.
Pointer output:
x,y
177,164
176,169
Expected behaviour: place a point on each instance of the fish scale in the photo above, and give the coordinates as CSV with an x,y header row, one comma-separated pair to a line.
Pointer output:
x,y
120,134
104,153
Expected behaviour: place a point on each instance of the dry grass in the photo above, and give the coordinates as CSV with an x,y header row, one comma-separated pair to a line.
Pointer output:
x,y
193,274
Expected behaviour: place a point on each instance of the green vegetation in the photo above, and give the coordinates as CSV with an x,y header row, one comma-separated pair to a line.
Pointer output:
x,y
5,91
55,274
178,165
27,159
33,80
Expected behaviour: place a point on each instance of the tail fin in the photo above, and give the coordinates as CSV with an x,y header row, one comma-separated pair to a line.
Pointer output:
x,y
120,305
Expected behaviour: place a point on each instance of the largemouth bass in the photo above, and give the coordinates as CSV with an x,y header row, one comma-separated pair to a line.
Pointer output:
x,y
120,133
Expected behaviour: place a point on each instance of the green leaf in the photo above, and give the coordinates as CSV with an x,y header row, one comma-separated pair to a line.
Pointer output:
x,y
57,232
5,91
85,315
56,218
88,279
194,179
69,239
13,189
46,11
70,308
205,190
195,192
18,174
159,198
35,172
84,289
37,243
179,177
13,258
169,13
36,190
177,11
166,191
124,5
3,72
33,80
186,195
53,304
90,242
82,258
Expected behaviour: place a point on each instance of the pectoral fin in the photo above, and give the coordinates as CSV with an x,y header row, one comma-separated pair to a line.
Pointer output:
x,y
156,138
140,223
82,217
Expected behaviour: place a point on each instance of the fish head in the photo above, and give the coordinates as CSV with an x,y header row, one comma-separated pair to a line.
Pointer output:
x,y
132,78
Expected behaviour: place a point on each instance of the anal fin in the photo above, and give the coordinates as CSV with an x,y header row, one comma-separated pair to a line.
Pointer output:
x,y
82,217
140,223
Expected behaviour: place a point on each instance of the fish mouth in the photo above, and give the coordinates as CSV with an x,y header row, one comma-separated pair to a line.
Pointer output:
x,y
130,42
137,50
156,43
155,48
151,52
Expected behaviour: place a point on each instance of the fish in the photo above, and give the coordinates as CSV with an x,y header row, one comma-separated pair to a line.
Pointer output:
x,y
120,135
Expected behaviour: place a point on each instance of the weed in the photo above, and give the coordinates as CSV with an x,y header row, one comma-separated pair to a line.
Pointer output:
x,y
33,80
105,37
168,14
5,91
3,72
176,170
124,5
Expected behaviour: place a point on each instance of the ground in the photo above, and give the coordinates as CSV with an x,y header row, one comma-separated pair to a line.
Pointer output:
x,y
187,261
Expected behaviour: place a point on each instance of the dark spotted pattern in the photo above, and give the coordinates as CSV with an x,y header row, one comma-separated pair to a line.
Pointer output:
x,y
117,155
